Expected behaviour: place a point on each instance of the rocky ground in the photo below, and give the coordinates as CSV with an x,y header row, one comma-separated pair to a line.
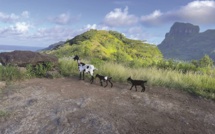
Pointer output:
x,y
69,105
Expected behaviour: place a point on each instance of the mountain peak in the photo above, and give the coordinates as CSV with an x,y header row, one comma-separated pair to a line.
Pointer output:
x,y
183,29
185,42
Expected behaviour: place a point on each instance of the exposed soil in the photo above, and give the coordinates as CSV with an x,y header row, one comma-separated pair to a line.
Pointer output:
x,y
69,105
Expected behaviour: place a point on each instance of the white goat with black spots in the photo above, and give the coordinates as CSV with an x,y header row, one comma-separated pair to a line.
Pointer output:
x,y
88,68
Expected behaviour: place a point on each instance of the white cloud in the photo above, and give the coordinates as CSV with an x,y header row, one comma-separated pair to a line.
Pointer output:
x,y
91,26
11,18
200,12
64,19
154,17
95,26
21,27
120,17
8,17
25,14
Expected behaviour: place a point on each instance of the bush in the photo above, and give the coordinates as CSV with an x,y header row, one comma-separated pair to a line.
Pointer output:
x,y
10,73
39,70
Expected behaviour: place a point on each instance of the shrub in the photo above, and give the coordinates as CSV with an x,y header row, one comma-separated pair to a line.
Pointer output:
x,y
10,73
39,70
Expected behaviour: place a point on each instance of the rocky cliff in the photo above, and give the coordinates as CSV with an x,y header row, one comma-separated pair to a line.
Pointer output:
x,y
185,42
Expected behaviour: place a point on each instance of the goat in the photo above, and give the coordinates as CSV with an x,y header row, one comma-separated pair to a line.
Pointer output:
x,y
88,68
137,83
105,79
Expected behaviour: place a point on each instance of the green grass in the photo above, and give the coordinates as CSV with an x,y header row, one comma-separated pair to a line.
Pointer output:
x,y
194,83
10,73
3,114
198,84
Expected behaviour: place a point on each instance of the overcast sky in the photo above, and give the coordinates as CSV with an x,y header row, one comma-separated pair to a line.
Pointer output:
x,y
44,22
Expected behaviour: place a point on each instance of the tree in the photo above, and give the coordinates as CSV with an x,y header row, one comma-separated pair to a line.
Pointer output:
x,y
206,61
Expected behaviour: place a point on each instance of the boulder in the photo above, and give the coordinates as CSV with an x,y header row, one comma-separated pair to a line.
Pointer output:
x,y
23,58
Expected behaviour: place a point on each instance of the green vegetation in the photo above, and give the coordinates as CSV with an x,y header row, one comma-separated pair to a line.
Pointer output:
x,y
13,73
109,46
4,114
39,70
192,82
10,73
203,66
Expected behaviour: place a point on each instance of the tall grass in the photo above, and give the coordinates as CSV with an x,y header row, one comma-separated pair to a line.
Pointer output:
x,y
68,67
198,84
10,73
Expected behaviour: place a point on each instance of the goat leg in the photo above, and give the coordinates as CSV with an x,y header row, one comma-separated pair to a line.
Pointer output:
x,y
136,88
143,88
83,75
106,83
80,76
111,83
101,83
92,79
131,87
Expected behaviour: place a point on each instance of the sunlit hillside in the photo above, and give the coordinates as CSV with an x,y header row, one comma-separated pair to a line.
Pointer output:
x,y
109,46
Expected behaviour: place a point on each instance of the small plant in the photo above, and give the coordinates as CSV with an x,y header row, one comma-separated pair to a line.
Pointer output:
x,y
39,70
3,114
10,73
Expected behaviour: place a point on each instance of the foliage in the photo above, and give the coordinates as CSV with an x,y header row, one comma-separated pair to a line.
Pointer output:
x,y
203,66
39,70
10,73
206,61
109,46
192,82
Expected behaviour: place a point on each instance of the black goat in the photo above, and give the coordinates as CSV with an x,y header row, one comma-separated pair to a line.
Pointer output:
x,y
105,79
137,83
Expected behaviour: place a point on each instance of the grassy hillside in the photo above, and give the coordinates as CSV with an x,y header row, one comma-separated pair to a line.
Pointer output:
x,y
109,46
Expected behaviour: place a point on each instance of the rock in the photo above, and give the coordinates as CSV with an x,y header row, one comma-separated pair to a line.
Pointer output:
x,y
183,29
52,74
185,42
23,58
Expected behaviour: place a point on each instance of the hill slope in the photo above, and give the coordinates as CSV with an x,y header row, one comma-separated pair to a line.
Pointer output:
x,y
185,42
110,46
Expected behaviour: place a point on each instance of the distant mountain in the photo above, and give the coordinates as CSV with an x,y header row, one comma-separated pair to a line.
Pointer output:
x,y
54,46
185,42
108,45
6,48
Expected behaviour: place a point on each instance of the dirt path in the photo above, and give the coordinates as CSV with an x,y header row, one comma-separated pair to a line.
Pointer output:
x,y
69,105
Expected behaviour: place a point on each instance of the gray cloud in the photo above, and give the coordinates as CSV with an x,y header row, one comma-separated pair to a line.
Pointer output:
x,y
200,12
64,19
